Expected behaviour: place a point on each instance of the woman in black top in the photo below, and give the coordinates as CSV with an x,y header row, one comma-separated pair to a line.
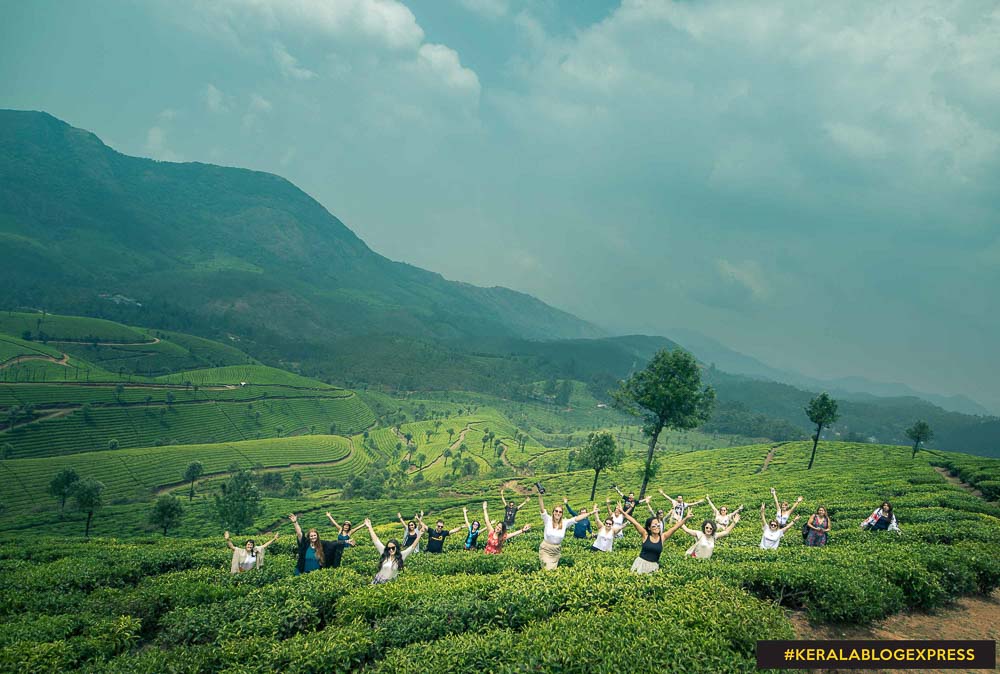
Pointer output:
x,y
314,553
648,560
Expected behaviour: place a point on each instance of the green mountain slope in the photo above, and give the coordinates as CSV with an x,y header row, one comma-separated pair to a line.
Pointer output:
x,y
182,245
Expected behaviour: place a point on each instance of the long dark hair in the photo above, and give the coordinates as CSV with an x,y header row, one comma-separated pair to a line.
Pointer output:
x,y
502,528
397,558
317,547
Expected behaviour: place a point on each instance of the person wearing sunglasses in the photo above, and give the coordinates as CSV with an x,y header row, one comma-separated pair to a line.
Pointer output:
x,y
770,539
652,535
392,555
605,537
556,525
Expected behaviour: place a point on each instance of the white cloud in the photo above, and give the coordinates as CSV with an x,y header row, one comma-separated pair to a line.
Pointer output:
x,y
491,9
258,106
156,145
443,63
215,100
289,65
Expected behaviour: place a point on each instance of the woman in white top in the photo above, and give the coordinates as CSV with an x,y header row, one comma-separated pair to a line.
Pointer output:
x,y
784,509
705,539
392,555
604,539
556,525
773,531
250,556
617,518
722,515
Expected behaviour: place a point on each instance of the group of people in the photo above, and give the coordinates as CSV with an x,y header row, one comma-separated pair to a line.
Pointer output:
x,y
315,553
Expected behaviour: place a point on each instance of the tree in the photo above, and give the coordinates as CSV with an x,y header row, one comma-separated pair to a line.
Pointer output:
x,y
87,494
171,398
428,433
167,512
822,411
194,471
599,454
239,503
112,443
420,460
61,485
919,432
666,394
451,434
447,455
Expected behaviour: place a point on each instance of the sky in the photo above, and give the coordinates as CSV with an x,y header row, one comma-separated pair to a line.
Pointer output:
x,y
814,184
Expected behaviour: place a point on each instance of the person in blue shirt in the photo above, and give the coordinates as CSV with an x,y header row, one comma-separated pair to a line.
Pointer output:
x,y
582,527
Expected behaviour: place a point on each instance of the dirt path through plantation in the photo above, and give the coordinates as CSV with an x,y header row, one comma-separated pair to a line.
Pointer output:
x,y
970,618
20,359
943,472
270,469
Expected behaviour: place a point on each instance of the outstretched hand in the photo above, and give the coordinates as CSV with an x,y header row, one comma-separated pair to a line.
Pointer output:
x,y
294,518
226,535
367,523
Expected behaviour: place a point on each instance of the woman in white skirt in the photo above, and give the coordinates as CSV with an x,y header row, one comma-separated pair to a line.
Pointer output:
x,y
648,560
550,550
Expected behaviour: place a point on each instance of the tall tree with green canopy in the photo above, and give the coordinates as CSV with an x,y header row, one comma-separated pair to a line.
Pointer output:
x,y
667,394
600,453
61,485
919,432
239,503
822,411
87,494
193,472
167,512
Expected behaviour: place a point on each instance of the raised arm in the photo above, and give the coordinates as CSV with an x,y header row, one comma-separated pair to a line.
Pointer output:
x,y
457,529
228,542
520,531
670,532
714,509
332,521
502,499
486,516
790,524
619,491
298,530
420,521
777,506
649,506
399,516
413,546
582,515
375,541
664,495
572,513
698,502
763,514
725,532
541,504
523,503
262,547
638,527
795,505
465,514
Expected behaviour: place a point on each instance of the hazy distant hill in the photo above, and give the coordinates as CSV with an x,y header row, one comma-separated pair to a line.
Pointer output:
x,y
196,245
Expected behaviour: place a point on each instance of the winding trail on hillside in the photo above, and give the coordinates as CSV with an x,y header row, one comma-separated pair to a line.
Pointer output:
x,y
770,456
946,474
156,340
64,361
165,489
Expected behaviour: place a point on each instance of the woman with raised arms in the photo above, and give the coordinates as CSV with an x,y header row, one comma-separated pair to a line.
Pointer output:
x,y
556,525
722,515
704,543
784,509
617,518
250,556
680,507
392,555
604,537
771,537
652,536
472,531
498,534
314,553
343,532
411,530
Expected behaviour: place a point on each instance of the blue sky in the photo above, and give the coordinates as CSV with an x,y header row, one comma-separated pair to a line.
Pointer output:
x,y
814,184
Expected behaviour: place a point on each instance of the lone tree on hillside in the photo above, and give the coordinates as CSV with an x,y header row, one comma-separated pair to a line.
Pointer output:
x,y
239,503
61,486
447,455
919,432
600,453
194,471
667,394
167,512
450,432
87,494
822,411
